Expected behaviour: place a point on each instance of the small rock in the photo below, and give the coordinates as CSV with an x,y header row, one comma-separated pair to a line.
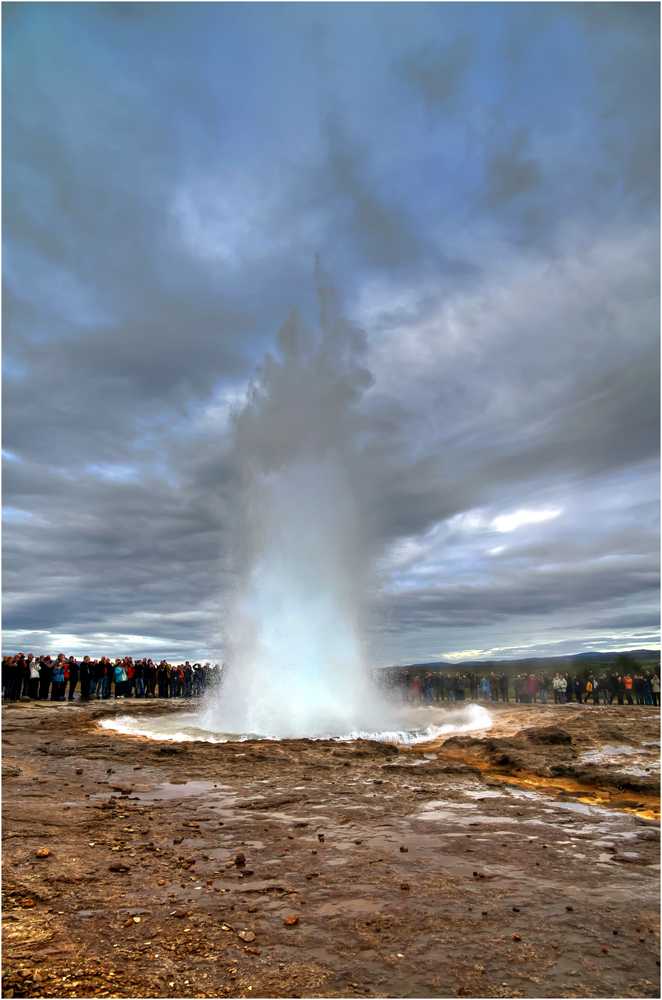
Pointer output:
x,y
515,909
247,936
404,849
79,770
570,909
27,904
313,851
129,922
180,913
404,885
358,841
43,852
144,832
292,920
516,937
320,837
240,859
252,909
253,951
605,950
484,912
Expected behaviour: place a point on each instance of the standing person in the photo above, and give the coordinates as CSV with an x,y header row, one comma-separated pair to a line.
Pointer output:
x,y
578,689
494,686
620,687
129,668
596,691
99,674
627,685
73,676
614,687
109,673
33,688
139,678
569,688
450,688
648,688
655,690
59,683
120,676
45,675
503,684
86,676
532,688
589,687
542,687
604,687
22,677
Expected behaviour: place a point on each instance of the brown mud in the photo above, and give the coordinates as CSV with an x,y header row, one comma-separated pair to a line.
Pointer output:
x,y
518,862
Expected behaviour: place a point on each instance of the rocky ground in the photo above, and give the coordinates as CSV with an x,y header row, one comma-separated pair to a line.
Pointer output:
x,y
519,862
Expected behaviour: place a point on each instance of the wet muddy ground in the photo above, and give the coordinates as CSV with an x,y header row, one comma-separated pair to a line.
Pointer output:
x,y
519,862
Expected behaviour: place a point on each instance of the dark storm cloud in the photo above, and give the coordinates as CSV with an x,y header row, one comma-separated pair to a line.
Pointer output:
x,y
437,72
531,593
510,172
170,172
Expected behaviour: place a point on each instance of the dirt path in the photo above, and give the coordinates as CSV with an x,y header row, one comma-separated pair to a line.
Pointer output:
x,y
530,870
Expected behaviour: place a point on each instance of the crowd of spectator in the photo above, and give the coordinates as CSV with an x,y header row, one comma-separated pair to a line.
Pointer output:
x,y
56,679
634,688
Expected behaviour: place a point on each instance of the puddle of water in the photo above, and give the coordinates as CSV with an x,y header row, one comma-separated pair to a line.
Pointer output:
x,y
171,790
483,795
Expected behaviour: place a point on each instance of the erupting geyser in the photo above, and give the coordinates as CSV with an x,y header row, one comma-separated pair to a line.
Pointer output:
x,y
296,666
302,558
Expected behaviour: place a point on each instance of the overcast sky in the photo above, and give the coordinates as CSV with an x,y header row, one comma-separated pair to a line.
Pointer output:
x,y
481,183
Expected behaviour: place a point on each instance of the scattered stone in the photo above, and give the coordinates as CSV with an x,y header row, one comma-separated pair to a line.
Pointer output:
x,y
320,837
516,937
27,904
79,770
404,849
404,885
247,936
43,852
240,859
181,913
292,920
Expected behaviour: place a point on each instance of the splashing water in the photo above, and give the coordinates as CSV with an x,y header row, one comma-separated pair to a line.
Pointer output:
x,y
410,726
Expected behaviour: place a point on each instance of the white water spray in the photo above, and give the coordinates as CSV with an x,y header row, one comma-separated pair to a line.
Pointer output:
x,y
296,665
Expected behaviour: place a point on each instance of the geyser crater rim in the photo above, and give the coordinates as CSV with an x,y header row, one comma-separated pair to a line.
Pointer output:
x,y
189,728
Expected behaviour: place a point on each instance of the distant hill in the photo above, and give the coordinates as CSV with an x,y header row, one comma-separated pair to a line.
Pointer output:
x,y
538,662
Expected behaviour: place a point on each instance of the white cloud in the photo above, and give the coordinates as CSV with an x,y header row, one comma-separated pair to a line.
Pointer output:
x,y
509,522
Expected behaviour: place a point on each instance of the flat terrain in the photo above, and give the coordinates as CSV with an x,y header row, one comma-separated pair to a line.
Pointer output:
x,y
520,862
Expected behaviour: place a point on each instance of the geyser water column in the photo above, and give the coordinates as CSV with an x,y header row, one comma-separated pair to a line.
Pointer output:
x,y
295,662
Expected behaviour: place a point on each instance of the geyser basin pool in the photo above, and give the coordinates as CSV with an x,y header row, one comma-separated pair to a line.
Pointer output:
x,y
407,725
